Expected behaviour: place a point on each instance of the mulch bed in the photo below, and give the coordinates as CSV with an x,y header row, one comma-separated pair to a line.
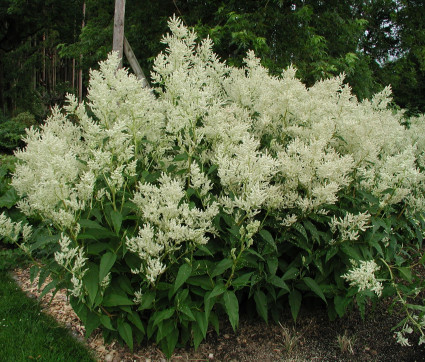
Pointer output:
x,y
312,338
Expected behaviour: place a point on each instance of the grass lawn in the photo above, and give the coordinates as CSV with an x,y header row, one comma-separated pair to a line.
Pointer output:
x,y
28,334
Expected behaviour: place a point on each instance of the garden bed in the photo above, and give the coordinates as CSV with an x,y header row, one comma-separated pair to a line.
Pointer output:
x,y
314,337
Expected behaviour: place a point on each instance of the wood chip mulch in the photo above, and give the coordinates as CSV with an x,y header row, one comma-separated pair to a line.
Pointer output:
x,y
227,346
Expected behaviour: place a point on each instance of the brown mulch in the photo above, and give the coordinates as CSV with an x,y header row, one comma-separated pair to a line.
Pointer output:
x,y
312,338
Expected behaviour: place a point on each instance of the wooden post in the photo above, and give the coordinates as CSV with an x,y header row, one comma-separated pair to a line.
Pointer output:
x,y
80,72
135,64
118,40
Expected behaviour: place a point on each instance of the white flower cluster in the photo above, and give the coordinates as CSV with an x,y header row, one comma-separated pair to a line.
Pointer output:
x,y
49,171
13,230
363,277
253,142
419,324
169,222
350,226
72,260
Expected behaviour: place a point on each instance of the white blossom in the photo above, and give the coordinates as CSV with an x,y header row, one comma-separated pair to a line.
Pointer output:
x,y
364,278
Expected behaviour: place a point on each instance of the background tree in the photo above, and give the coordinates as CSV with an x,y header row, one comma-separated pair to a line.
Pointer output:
x,y
375,43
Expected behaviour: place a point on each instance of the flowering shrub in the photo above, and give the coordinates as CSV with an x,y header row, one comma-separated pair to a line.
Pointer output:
x,y
220,187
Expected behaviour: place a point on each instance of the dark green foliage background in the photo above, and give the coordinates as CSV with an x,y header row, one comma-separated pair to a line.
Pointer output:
x,y
375,43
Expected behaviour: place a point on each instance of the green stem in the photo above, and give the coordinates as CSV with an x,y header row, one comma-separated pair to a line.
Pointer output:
x,y
402,300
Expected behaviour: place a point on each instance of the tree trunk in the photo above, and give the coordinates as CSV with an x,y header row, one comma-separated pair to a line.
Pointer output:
x,y
118,38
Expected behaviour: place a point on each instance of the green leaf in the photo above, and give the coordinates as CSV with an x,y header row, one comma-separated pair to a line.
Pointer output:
x,y
218,290
266,236
200,281
406,273
34,272
91,282
44,273
9,199
295,298
212,169
350,251
185,309
96,248
163,314
313,230
291,273
261,304
169,342
278,282
91,323
315,288
202,322
113,300
181,157
242,281
331,253
134,318
197,335
125,331
183,274
106,321
221,267
231,305
301,230
116,218
106,263
272,264
48,288
85,223
340,305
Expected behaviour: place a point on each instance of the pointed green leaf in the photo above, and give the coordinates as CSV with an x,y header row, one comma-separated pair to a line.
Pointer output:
x,y
116,218
91,323
147,300
313,230
106,321
315,288
261,304
295,303
221,267
91,282
134,318
162,315
291,273
231,305
197,335
48,288
202,322
266,236
85,223
34,272
106,263
278,282
9,199
113,300
340,305
125,331
183,274
406,273
169,342
218,290
272,264
184,308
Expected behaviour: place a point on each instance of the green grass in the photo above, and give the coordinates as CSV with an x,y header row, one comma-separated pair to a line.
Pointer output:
x,y
27,334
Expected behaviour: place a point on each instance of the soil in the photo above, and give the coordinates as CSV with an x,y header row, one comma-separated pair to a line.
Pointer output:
x,y
312,338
